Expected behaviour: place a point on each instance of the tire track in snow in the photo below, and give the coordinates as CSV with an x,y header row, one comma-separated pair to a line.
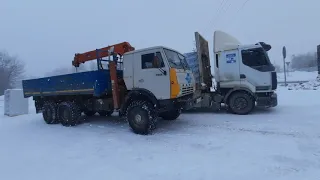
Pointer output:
x,y
255,131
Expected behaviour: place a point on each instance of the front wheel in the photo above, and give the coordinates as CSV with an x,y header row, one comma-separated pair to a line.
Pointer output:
x,y
141,116
241,103
171,115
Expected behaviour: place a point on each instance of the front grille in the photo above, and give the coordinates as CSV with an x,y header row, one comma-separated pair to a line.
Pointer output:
x,y
186,90
274,80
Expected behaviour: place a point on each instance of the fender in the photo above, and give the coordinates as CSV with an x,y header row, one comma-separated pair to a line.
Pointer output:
x,y
136,92
238,89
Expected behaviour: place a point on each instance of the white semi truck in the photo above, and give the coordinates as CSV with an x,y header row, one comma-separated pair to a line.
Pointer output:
x,y
244,76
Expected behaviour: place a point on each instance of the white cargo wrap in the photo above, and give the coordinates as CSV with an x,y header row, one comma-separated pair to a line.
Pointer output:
x,y
14,103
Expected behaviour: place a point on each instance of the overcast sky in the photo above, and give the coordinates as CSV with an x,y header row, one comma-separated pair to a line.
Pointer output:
x,y
47,34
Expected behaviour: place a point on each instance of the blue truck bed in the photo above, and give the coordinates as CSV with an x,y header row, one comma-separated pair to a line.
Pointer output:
x,y
94,83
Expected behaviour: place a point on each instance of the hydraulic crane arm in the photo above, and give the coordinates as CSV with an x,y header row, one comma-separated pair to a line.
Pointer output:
x,y
119,49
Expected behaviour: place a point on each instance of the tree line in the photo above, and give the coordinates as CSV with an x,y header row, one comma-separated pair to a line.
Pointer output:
x,y
304,61
12,71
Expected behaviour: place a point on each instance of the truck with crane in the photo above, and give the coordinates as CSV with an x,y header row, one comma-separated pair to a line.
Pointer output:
x,y
244,75
141,85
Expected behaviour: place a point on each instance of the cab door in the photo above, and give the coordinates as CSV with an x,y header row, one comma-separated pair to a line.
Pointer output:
x,y
229,70
150,75
255,68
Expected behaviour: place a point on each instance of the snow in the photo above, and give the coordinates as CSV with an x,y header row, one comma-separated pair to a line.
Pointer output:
x,y
310,85
298,76
312,82
277,143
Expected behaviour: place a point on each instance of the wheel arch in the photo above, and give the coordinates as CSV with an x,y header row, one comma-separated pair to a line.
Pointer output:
x,y
139,94
235,90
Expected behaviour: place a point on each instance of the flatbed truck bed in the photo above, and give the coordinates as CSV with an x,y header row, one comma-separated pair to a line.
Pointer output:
x,y
95,83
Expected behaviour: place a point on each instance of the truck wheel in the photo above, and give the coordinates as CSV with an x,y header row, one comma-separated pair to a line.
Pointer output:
x,y
89,113
105,113
171,115
49,113
69,114
141,116
241,103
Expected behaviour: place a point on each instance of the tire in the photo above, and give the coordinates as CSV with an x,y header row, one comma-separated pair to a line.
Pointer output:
x,y
89,113
49,113
69,113
171,115
142,117
241,103
105,113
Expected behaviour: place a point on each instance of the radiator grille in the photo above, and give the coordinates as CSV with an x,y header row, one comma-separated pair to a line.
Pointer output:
x,y
186,90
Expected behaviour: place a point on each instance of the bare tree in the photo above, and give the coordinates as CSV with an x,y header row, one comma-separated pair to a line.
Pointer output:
x,y
11,71
303,61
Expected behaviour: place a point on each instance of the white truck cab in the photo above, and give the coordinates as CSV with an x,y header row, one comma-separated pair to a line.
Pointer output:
x,y
244,75
245,66
160,70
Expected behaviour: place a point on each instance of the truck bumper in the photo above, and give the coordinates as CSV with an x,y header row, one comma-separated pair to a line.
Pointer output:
x,y
185,102
191,103
267,102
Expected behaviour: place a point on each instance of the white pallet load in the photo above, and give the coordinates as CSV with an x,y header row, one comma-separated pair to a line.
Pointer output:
x,y
14,103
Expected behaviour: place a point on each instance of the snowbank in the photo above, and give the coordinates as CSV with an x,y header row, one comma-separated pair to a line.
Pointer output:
x,y
310,85
298,76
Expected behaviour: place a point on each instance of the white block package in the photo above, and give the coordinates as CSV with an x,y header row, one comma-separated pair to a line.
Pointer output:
x,y
14,103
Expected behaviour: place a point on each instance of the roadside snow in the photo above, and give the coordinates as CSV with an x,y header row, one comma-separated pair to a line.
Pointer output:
x,y
310,85
278,143
298,76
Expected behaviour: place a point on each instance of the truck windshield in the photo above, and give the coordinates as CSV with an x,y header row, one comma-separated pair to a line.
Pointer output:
x,y
255,57
176,60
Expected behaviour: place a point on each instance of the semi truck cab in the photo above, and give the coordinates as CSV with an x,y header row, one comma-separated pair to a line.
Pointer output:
x,y
245,67
243,74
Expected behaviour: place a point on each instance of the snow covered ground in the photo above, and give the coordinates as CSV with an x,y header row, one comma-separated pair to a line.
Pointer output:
x,y
278,143
311,77
298,76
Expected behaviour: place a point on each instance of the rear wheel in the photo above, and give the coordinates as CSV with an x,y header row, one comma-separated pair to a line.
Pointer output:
x,y
241,103
49,113
69,113
171,115
141,116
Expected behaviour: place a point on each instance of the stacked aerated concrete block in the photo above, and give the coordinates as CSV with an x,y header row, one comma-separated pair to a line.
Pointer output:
x,y
14,103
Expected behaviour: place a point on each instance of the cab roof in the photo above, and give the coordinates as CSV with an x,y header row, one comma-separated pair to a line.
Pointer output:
x,y
151,48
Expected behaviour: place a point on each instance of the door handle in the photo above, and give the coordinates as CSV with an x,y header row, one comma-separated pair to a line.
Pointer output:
x,y
141,80
242,76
